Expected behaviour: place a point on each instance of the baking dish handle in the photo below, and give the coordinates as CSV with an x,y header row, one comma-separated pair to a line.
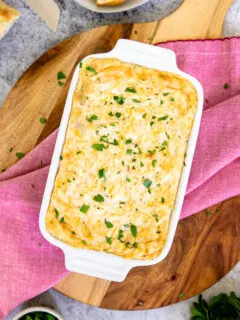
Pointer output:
x,y
145,54
113,269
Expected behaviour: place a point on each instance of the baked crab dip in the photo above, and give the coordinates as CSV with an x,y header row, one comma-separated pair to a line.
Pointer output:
x,y
122,158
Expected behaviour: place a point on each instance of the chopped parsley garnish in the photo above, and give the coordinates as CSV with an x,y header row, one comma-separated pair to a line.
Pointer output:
x,y
131,89
154,162
118,114
133,229
127,244
60,83
123,163
152,152
162,118
109,240
151,123
147,183
60,157
98,198
20,155
171,99
122,202
108,224
114,143
119,99
166,94
129,151
92,118
74,233
61,75
84,242
136,101
226,86
62,220
84,208
110,114
180,296
80,64
128,180
161,102
128,141
156,217
163,200
43,120
135,245
11,149
120,235
167,135
144,115
98,146
91,69
141,164
101,173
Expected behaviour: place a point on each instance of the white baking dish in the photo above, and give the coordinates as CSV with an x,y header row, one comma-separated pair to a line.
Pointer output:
x,y
101,264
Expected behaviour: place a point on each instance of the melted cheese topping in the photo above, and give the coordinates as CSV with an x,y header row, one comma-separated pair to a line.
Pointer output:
x,y
122,159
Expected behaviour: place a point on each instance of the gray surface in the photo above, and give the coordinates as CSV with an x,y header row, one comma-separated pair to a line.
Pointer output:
x,y
26,41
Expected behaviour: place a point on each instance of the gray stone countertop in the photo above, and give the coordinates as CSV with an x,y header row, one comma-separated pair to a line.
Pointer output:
x,y
25,42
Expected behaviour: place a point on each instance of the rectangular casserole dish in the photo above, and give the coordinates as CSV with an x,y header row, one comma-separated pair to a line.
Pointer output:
x,y
102,264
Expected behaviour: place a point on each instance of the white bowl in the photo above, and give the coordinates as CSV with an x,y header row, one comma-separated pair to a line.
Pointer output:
x,y
127,5
38,309
102,264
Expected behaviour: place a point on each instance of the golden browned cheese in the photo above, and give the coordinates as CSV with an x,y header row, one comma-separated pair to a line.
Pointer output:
x,y
8,16
122,159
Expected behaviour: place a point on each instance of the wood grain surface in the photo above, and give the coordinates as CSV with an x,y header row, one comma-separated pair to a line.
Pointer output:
x,y
206,244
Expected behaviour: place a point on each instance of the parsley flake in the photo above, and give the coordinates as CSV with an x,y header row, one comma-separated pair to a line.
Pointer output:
x,y
147,183
133,229
141,164
108,224
135,245
118,114
60,83
92,118
129,151
166,94
128,180
98,146
136,101
163,200
128,141
80,64
91,69
84,242
11,149
156,217
98,198
84,208
109,240
154,162
162,118
101,173
226,86
62,220
119,99
131,89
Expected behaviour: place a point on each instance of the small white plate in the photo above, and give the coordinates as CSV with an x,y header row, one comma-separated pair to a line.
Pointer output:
x,y
127,5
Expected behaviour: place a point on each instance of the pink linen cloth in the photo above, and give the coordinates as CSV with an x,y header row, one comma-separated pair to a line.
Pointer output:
x,y
30,265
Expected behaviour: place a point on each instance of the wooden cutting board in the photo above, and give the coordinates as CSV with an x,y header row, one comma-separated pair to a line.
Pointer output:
x,y
206,245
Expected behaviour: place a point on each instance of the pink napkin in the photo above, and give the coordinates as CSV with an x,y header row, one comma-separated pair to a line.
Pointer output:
x,y
30,265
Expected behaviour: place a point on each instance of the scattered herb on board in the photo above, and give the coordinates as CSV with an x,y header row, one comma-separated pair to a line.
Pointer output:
x,y
98,198
43,120
108,224
91,69
20,155
60,83
11,149
226,86
38,315
180,296
84,208
131,89
119,99
61,75
220,307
